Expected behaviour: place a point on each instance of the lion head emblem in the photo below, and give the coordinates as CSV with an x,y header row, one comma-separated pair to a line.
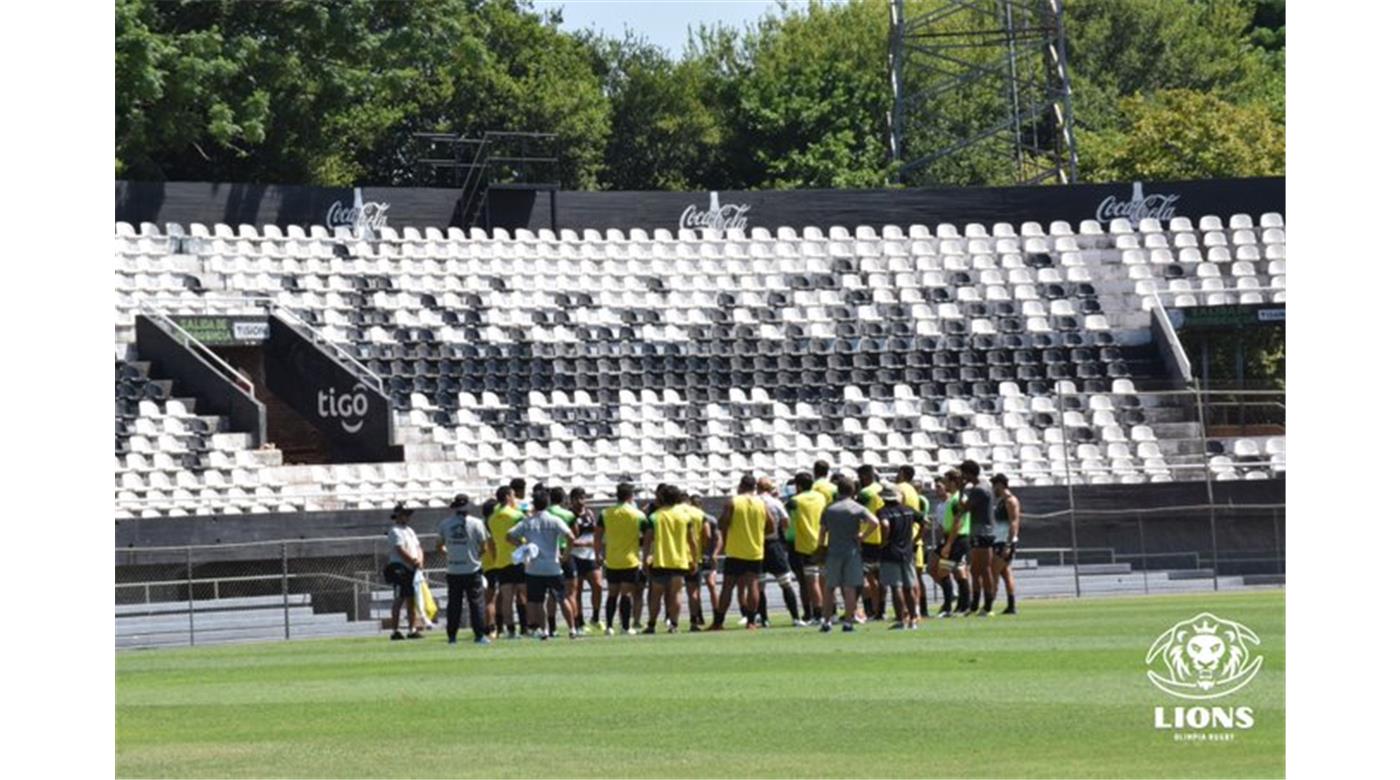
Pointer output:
x,y
1205,657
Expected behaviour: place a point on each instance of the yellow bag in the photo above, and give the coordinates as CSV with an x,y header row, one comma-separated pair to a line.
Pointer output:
x,y
427,605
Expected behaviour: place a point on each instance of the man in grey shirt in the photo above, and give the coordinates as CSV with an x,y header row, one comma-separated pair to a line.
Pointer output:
x,y
978,501
844,526
543,574
464,539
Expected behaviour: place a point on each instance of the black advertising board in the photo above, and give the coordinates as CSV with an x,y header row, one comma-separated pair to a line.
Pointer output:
x,y
356,420
399,207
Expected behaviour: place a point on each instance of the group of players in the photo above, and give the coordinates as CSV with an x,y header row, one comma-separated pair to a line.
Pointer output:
x,y
822,534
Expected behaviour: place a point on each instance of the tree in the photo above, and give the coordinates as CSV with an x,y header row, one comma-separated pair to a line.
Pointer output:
x,y
307,92
663,135
1184,134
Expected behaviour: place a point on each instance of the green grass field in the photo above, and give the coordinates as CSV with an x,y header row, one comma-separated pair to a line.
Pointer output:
x,y
1059,690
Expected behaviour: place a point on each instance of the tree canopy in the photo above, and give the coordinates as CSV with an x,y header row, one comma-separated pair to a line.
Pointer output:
x,y
331,93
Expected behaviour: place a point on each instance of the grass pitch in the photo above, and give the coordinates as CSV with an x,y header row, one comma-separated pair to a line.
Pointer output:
x,y
1060,690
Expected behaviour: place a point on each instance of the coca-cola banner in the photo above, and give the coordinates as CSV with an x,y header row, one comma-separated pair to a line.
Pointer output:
x,y
399,207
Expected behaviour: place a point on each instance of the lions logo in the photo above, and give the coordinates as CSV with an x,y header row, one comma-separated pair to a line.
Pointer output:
x,y
1204,658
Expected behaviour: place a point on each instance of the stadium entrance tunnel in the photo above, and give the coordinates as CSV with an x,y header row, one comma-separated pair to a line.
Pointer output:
x,y
277,386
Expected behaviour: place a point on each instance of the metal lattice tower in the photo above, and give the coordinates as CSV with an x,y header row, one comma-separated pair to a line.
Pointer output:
x,y
977,79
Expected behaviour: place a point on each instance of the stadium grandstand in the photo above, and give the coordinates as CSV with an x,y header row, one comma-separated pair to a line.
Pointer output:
x,y
686,357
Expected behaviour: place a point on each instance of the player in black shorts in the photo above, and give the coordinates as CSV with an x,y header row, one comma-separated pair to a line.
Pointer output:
x,y
711,542
977,500
585,560
1007,520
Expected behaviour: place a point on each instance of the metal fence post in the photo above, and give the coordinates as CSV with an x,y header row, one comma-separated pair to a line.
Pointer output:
x,y
1069,490
286,605
189,588
1210,491
1142,550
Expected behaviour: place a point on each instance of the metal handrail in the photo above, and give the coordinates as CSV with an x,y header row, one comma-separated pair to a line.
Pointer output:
x,y
194,344
365,375
1159,312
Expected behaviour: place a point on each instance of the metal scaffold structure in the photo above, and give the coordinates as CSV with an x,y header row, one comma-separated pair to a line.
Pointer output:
x,y
980,77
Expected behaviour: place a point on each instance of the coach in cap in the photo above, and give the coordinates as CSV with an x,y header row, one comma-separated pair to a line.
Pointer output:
x,y
464,538
405,558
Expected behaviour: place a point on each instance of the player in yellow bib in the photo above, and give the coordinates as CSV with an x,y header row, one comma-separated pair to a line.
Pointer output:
x,y
868,494
505,579
910,496
618,542
671,552
744,522
806,509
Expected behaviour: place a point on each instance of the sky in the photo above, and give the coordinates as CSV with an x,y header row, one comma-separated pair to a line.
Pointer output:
x,y
663,22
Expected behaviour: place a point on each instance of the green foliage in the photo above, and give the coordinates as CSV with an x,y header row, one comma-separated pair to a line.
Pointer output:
x,y
330,93
1184,134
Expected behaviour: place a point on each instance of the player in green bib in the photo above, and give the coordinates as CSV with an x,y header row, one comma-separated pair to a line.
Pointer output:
x,y
956,527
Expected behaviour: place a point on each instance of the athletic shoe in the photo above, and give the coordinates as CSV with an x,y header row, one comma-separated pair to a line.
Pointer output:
x,y
574,633
452,640
716,627
608,631
631,632
897,627
947,613
696,627
860,619
750,626
763,623
914,627
847,627
985,613
396,636
544,637
596,626
1009,611
649,630
670,629
486,640
826,628
414,635
800,624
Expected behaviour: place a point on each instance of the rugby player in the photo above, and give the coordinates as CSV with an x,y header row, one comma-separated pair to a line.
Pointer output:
x,y
585,560
503,577
744,522
899,526
670,552
618,542
805,508
711,542
956,530
775,557
1007,521
845,526
869,497
543,573
977,499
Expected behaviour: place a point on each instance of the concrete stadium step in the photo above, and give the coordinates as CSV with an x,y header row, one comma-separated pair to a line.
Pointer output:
x,y
213,605
263,634
1190,574
216,620
1264,579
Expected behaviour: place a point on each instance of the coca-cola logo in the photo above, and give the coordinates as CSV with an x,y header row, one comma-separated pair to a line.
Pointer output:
x,y
730,215
1138,207
372,215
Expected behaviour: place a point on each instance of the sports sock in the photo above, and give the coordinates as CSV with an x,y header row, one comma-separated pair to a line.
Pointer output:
x,y
1010,600
611,608
962,595
991,601
626,605
946,584
790,598
522,617
763,605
